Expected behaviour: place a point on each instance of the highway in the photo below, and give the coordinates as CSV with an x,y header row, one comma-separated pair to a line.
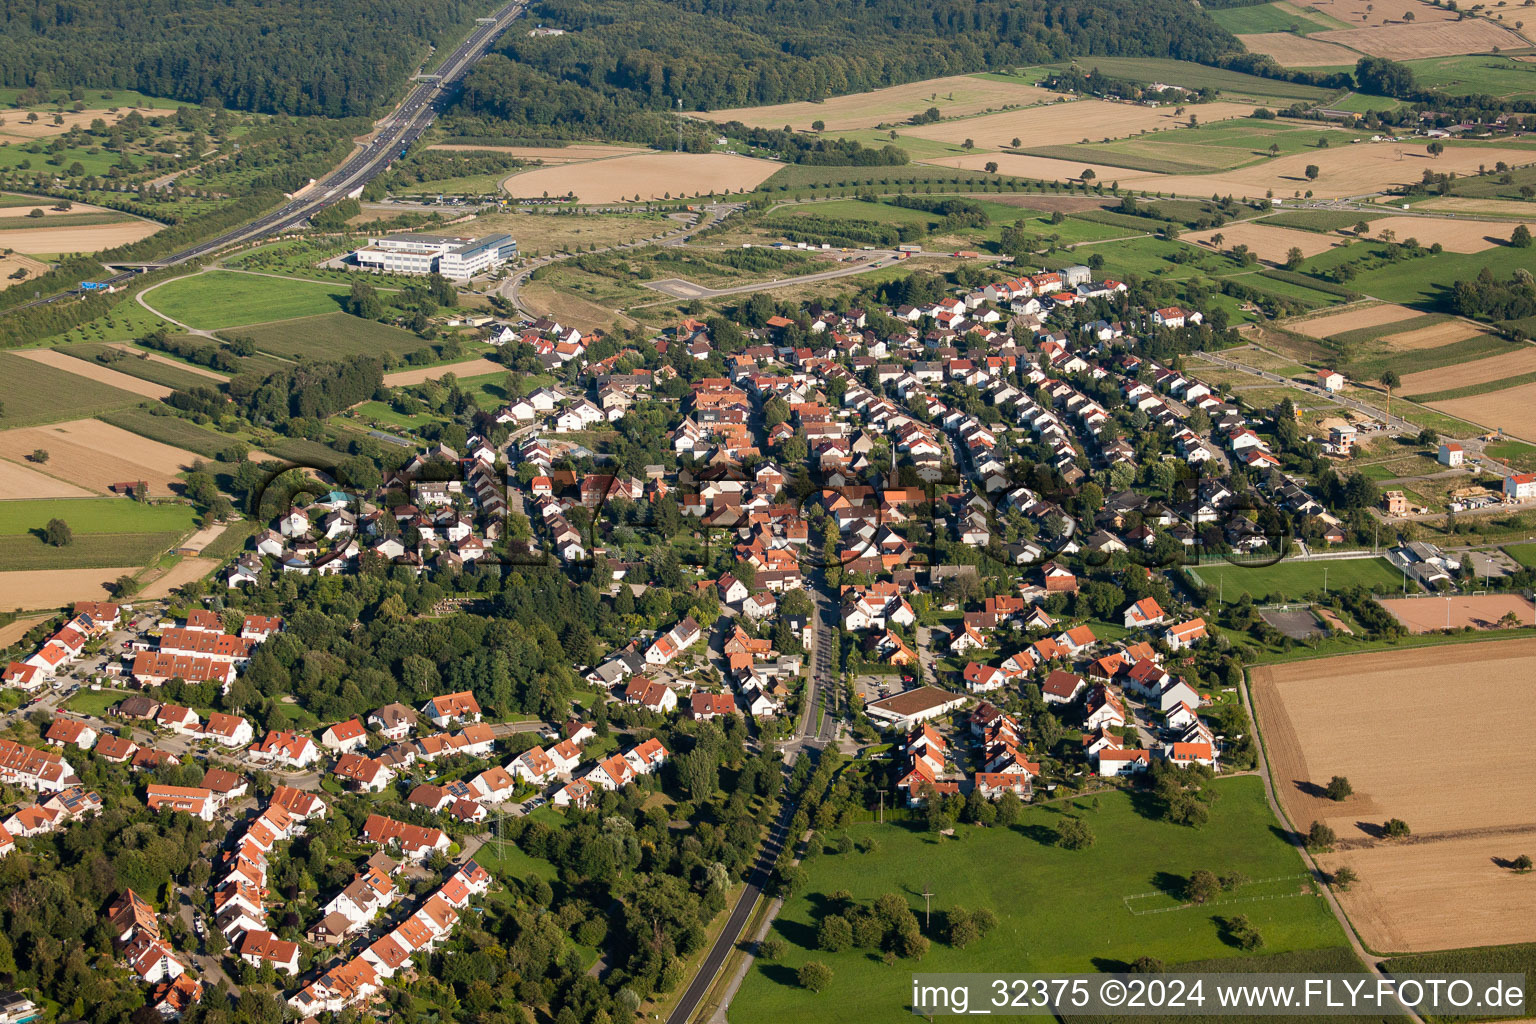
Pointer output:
x,y
392,136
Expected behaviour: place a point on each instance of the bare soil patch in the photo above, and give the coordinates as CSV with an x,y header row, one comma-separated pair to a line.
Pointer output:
x,y
471,368
79,239
955,96
1514,409
571,309
95,371
1407,41
19,481
1352,320
1293,51
1455,235
1268,242
1433,336
1478,371
1061,123
94,454
183,572
203,537
15,261
1480,611
1416,897
55,588
648,175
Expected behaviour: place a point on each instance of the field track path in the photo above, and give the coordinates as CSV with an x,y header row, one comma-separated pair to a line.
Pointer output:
x,y
140,299
1371,962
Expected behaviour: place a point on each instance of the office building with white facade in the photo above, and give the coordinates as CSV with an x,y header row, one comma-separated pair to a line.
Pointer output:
x,y
454,257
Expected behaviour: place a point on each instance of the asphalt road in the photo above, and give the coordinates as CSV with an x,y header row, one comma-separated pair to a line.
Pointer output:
x,y
734,924
393,135
816,729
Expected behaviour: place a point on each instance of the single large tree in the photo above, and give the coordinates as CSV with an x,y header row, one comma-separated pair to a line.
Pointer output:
x,y
1389,380
58,533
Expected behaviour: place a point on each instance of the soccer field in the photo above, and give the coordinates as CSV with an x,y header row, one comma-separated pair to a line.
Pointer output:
x,y
1292,580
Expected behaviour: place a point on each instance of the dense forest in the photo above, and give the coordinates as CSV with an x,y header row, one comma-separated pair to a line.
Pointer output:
x,y
620,65
338,59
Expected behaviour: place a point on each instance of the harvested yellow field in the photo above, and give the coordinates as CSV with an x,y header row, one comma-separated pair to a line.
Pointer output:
x,y
471,368
18,127
548,154
11,263
956,96
1344,171
1352,320
1293,51
1446,333
180,574
1492,207
1364,13
1513,409
76,239
1478,371
95,371
1407,41
647,175
1266,241
56,588
1414,897
1386,723
23,481
1061,123
96,455
46,205
1455,235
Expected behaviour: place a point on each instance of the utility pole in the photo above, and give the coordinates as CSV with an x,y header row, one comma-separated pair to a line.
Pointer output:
x,y
882,806
927,907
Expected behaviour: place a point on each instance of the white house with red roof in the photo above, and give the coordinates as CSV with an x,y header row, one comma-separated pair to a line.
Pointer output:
x,y
287,748
1114,762
344,736
1143,613
66,731
1520,486
452,707
1184,634
1186,754
646,757
228,730
23,677
262,947
1105,709
981,678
